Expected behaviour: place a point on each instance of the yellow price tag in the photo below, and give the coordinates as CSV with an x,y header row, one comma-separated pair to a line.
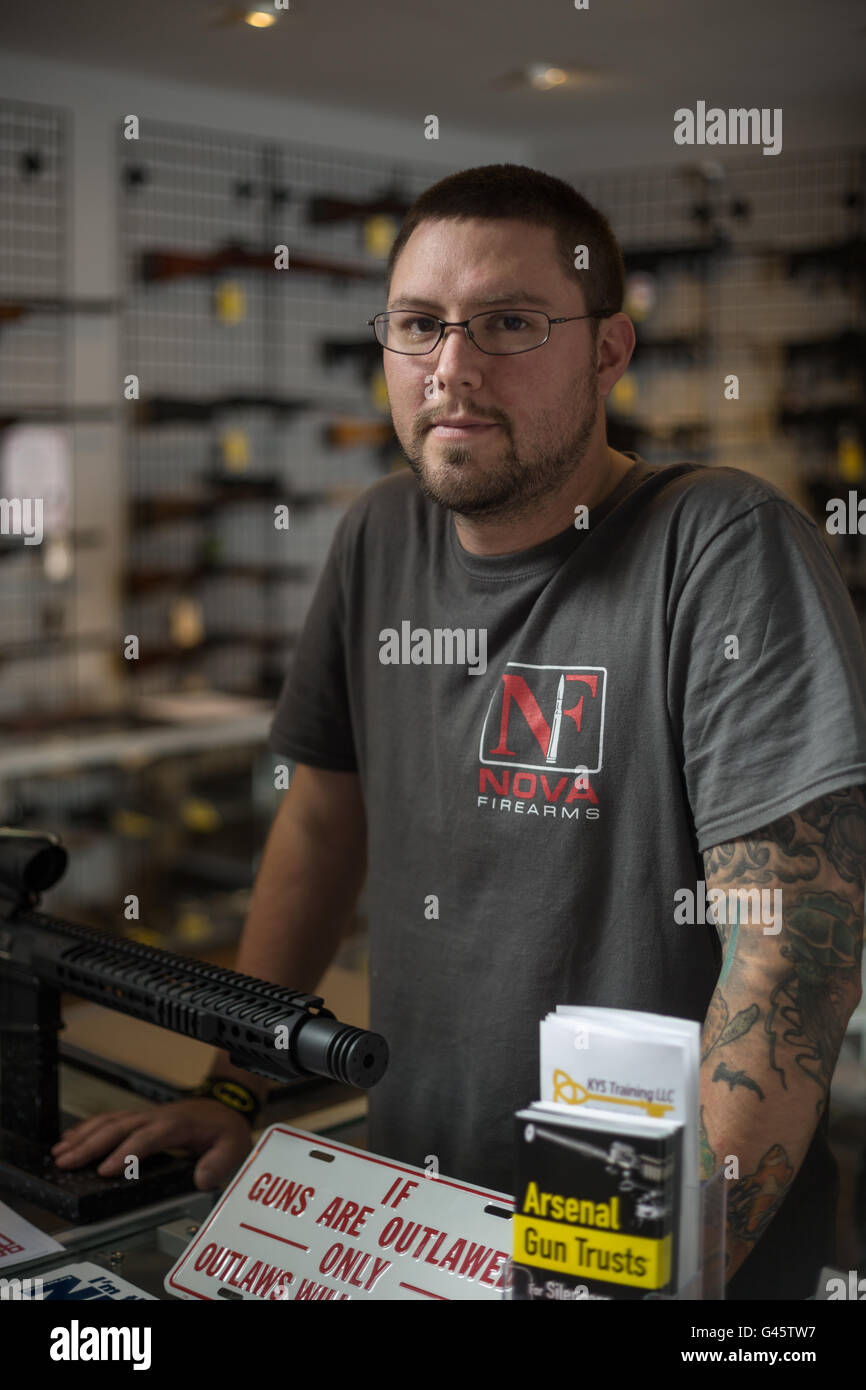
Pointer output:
x,y
132,825
230,302
186,622
193,926
235,450
379,233
624,393
379,391
849,456
200,815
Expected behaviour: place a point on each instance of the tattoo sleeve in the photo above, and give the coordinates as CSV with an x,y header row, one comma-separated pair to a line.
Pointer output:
x,y
788,901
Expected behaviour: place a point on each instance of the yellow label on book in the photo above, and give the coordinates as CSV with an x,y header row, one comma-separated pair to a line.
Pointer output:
x,y
609,1256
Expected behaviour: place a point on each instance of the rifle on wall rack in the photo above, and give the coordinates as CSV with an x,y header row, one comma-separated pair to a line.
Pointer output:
x,y
161,266
324,209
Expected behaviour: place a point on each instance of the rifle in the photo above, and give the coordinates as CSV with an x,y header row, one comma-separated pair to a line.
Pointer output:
x,y
324,209
660,258
844,351
366,352
844,258
174,265
162,410
265,1028
13,310
349,434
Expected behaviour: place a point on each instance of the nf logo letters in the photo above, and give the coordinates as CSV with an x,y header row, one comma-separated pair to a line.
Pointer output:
x,y
548,718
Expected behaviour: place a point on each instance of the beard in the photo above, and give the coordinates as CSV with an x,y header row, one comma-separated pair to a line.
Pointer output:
x,y
510,485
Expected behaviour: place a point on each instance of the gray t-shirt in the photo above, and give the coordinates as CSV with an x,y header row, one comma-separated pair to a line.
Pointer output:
x,y
531,817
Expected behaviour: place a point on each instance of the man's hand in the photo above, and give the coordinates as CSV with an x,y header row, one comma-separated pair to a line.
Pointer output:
x,y
204,1126
787,988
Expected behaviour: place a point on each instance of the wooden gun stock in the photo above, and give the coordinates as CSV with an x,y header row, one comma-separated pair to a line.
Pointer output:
x,y
349,434
174,265
320,210
13,310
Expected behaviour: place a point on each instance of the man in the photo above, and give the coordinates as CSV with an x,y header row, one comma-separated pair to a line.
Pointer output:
x,y
542,689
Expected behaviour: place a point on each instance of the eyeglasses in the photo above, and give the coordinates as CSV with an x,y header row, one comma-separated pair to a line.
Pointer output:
x,y
500,333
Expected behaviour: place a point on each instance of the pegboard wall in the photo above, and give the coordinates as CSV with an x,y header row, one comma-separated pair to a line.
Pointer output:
x,y
33,254
206,337
215,593
36,612
777,301
772,282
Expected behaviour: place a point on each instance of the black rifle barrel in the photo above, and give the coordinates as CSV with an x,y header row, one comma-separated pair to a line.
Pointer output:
x,y
276,1032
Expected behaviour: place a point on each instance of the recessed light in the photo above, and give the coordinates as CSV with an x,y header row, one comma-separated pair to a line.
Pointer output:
x,y
546,77
542,76
260,19
253,16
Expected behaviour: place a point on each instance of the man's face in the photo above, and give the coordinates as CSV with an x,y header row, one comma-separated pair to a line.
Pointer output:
x,y
542,405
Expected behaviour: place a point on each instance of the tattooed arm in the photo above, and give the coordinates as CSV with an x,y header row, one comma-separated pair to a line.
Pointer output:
x,y
789,982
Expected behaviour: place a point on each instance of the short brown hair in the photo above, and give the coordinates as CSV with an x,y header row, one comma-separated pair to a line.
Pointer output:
x,y
520,194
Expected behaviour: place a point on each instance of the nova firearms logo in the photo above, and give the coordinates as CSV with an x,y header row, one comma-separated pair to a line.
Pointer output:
x,y
542,741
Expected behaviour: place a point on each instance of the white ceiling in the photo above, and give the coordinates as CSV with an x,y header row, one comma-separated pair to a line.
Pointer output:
x,y
407,58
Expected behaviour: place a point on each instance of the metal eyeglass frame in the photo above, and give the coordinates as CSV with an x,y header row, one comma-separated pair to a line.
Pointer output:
x,y
464,323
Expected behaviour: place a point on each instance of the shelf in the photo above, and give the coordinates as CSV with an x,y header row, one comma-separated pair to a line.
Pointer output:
x,y
165,410
154,580
688,351
824,417
167,653
57,414
39,648
13,308
78,539
68,751
169,507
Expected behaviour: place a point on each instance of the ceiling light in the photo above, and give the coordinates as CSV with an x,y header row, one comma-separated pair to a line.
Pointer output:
x,y
542,76
260,19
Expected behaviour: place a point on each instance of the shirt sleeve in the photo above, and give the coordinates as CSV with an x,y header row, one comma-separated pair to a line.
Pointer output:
x,y
312,721
766,674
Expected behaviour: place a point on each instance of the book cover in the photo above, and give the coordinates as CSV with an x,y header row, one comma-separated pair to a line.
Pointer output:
x,y
596,1206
